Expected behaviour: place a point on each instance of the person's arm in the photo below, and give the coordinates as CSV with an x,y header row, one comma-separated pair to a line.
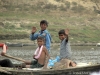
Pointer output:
x,y
33,34
67,33
33,56
68,50
48,41
4,47
47,58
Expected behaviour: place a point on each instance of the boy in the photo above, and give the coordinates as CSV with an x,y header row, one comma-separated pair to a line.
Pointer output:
x,y
39,56
65,50
5,62
43,33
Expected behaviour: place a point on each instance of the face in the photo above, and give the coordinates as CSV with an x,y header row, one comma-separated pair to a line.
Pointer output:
x,y
43,26
62,36
40,42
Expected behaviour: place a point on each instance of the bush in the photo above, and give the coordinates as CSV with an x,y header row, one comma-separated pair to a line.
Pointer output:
x,y
74,3
78,8
67,4
57,0
50,6
62,8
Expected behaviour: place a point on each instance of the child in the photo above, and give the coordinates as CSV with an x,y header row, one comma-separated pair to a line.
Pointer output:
x,y
39,56
65,50
5,62
43,33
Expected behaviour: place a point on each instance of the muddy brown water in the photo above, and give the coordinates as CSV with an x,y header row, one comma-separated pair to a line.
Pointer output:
x,y
83,54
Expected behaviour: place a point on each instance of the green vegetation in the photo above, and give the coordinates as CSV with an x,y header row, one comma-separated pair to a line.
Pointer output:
x,y
17,20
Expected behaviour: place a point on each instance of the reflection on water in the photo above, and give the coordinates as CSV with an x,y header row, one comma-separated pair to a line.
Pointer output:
x,y
79,53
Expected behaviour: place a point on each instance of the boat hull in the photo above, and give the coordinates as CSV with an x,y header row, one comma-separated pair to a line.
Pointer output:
x,y
86,70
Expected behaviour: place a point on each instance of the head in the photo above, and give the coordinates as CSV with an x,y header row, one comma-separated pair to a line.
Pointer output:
x,y
62,34
43,24
40,41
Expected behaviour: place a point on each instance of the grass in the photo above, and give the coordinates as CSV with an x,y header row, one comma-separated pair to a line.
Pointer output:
x,y
80,28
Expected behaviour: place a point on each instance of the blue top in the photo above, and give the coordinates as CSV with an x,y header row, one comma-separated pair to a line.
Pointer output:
x,y
65,50
44,34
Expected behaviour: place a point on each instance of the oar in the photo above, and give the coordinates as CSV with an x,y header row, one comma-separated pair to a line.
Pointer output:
x,y
16,58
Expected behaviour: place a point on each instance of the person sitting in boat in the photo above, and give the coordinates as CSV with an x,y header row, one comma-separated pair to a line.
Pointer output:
x,y
41,56
42,33
5,62
65,50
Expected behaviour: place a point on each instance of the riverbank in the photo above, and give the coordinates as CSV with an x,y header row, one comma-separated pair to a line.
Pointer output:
x,y
52,44
28,42
16,22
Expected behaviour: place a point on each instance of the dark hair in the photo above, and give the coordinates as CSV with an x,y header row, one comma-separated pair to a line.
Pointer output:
x,y
40,38
62,32
44,22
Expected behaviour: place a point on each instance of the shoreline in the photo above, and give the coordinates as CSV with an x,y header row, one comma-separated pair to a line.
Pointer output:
x,y
52,44
27,42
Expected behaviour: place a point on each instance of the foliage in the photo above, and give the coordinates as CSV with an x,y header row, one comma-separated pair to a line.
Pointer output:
x,y
78,8
96,1
67,4
84,27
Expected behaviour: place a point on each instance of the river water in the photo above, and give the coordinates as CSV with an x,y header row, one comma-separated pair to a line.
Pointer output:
x,y
83,54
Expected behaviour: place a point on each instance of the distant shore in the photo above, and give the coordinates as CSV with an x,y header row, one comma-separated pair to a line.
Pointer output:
x,y
52,44
28,42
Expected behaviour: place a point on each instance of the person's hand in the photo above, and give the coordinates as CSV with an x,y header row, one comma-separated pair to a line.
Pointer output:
x,y
33,56
33,30
3,53
66,31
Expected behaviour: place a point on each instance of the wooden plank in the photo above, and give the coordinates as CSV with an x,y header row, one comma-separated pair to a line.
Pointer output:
x,y
4,71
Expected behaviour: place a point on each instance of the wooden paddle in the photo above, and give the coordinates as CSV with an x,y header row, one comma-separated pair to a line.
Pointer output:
x,y
16,58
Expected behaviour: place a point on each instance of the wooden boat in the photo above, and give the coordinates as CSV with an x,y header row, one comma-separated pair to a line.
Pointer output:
x,y
14,44
19,44
98,44
79,70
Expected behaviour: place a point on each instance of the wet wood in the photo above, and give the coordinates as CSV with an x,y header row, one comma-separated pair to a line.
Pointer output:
x,y
68,71
2,70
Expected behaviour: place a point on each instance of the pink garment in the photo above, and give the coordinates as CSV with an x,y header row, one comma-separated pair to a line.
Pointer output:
x,y
37,54
1,45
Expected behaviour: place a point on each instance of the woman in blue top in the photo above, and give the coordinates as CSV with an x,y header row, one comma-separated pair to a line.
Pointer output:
x,y
43,33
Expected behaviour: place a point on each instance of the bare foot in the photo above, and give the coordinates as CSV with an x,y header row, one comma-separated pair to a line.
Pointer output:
x,y
73,64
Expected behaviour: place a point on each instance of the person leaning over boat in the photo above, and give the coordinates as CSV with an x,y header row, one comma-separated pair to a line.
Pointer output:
x,y
5,62
43,33
41,56
65,50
